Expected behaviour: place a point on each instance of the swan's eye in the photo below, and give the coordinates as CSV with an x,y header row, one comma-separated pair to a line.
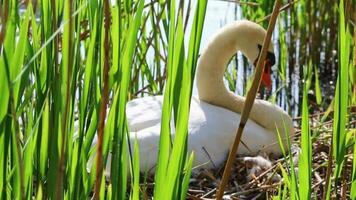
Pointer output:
x,y
271,58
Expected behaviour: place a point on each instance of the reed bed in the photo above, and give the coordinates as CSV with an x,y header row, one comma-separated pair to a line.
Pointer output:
x,y
67,69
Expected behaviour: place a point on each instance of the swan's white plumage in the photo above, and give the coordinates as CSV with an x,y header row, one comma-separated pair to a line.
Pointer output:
x,y
144,112
211,132
214,117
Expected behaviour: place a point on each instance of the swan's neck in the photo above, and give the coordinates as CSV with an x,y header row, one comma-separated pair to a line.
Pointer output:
x,y
211,69
210,77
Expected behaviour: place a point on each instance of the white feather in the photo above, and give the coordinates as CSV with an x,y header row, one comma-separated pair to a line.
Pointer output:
x,y
212,130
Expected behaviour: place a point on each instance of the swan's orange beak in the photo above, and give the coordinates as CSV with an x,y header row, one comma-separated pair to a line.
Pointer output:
x,y
266,76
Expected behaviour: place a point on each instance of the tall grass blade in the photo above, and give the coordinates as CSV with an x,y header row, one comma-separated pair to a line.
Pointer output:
x,y
317,86
119,164
136,173
342,92
186,178
177,96
290,179
340,100
353,176
305,163
164,141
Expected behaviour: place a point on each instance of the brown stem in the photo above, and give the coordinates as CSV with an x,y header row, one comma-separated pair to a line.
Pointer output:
x,y
328,170
249,100
104,102
242,2
142,59
285,7
4,17
344,184
354,85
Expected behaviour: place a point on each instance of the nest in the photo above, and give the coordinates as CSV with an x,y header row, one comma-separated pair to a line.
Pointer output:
x,y
260,177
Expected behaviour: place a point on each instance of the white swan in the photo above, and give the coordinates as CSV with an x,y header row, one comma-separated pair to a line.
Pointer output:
x,y
214,114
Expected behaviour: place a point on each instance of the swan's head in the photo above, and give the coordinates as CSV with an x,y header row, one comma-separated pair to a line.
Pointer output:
x,y
251,46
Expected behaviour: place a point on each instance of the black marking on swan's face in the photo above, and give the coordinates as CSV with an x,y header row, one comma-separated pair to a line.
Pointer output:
x,y
270,55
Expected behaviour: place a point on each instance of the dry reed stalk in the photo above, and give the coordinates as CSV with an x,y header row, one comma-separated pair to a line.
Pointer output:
x,y
104,103
3,19
249,100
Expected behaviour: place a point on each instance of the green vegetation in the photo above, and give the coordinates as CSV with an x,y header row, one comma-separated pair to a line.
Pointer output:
x,y
53,77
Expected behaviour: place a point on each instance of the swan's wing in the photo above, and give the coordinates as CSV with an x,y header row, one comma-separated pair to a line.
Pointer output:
x,y
271,117
212,131
144,112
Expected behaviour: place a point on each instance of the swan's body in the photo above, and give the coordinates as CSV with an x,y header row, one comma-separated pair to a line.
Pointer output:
x,y
214,114
212,130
